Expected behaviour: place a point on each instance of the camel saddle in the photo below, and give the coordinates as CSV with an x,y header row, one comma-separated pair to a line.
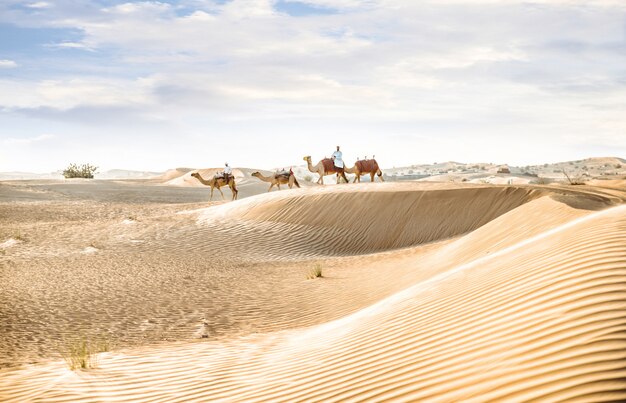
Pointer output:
x,y
222,175
283,174
329,166
367,165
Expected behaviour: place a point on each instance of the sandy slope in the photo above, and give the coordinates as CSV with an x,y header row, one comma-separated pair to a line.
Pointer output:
x,y
433,292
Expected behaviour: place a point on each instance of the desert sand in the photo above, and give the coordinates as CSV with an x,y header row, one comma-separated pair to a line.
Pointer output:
x,y
430,291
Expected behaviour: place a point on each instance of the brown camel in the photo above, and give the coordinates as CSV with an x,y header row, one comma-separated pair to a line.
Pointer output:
x,y
278,178
323,168
364,167
218,182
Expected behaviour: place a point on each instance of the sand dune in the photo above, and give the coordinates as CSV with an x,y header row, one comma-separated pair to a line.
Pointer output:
x,y
431,292
330,221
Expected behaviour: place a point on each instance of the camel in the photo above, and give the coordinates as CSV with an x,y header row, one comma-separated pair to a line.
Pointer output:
x,y
323,168
218,182
279,178
363,167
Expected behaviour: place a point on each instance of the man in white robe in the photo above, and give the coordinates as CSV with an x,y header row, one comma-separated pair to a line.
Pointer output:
x,y
228,171
338,158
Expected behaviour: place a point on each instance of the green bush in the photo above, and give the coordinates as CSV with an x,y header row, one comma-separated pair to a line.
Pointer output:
x,y
80,171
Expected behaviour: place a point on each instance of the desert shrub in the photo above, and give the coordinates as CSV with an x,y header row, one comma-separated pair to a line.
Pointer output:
x,y
573,180
618,166
315,272
80,353
308,178
541,181
80,171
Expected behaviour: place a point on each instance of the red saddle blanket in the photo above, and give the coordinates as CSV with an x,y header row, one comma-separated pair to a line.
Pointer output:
x,y
367,166
329,165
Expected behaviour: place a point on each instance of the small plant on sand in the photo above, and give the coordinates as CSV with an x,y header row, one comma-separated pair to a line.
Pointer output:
x,y
315,272
80,171
80,353
574,180
541,181
18,236
308,178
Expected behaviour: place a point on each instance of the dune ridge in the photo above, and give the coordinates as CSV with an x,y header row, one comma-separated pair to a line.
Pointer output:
x,y
359,219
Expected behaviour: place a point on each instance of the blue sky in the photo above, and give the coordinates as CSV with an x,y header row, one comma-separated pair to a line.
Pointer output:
x,y
260,83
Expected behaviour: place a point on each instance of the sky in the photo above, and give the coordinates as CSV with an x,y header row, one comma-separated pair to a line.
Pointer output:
x,y
154,85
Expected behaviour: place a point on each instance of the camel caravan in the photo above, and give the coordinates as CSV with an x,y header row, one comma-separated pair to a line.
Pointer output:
x,y
325,167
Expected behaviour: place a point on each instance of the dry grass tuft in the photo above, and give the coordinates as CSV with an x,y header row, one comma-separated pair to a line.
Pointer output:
x,y
80,353
315,272
18,236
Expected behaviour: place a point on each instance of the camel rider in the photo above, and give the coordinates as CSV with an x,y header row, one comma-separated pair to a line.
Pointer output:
x,y
338,159
228,171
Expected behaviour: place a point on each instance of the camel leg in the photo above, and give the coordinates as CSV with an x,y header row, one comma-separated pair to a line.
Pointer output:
x,y
372,176
278,185
271,186
211,198
343,175
218,188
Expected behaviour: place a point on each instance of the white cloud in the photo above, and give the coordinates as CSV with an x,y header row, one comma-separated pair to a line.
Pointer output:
x,y
7,64
72,93
39,4
70,45
26,141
